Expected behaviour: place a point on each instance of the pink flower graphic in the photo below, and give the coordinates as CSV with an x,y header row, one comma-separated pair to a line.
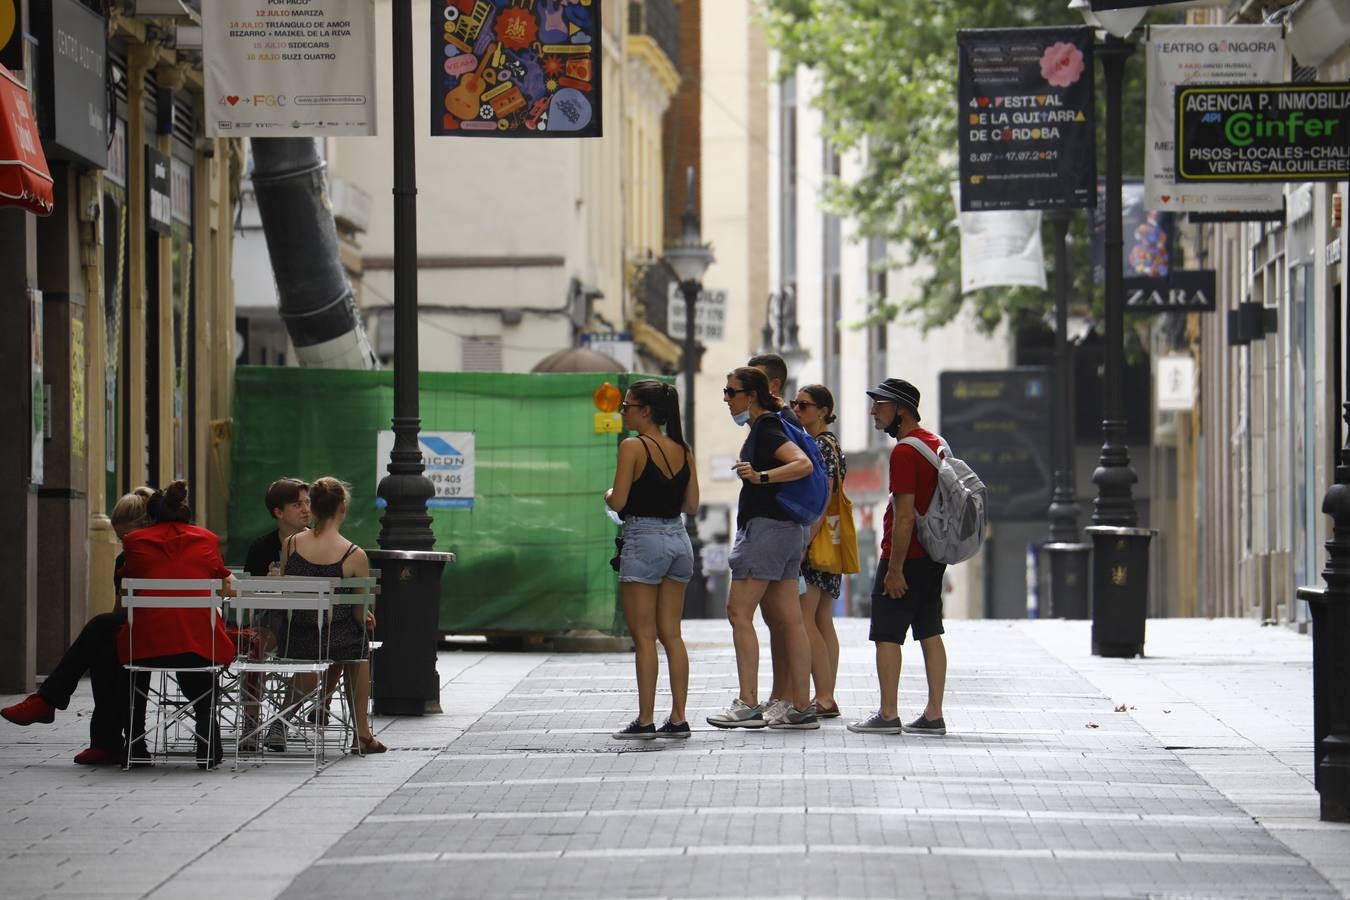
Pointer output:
x,y
1062,64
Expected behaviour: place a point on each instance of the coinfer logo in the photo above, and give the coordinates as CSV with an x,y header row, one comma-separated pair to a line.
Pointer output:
x,y
1243,129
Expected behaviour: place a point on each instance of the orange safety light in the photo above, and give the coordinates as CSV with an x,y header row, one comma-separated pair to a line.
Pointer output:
x,y
607,398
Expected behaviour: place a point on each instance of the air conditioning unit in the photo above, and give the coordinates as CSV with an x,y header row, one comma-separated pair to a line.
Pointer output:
x,y
351,205
190,9
1316,30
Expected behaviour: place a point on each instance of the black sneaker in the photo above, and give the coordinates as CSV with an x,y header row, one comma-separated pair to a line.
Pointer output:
x,y
635,732
935,727
670,730
875,724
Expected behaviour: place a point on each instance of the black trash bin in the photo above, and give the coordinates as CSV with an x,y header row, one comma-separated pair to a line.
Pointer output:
x,y
1119,589
408,625
1065,575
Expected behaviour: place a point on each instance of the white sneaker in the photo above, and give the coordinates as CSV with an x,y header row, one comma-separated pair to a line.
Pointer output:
x,y
775,711
738,715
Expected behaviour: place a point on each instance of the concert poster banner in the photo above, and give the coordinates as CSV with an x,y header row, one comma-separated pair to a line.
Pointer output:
x,y
289,69
1202,54
1026,119
516,68
1263,132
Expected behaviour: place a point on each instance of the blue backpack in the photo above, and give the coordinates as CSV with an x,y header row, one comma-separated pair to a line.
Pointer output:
x,y
804,499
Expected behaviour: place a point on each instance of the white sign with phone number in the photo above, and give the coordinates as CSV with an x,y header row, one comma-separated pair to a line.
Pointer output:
x,y
449,460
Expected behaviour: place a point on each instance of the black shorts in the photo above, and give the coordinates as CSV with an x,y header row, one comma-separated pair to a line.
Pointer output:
x,y
919,610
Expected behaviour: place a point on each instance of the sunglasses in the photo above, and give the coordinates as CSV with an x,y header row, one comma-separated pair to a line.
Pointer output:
x,y
624,407
802,404
732,392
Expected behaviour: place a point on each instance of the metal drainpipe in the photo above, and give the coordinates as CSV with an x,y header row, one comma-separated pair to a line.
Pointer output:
x,y
315,298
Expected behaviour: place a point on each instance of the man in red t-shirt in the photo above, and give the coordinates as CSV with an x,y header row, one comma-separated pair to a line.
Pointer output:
x,y
907,589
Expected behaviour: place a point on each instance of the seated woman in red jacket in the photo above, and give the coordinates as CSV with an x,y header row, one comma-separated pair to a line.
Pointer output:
x,y
174,548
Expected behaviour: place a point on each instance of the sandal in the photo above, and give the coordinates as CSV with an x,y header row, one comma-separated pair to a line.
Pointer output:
x,y
368,746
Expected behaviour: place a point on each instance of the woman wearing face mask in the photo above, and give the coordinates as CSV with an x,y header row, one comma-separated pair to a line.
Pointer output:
x,y
654,482
765,557
815,410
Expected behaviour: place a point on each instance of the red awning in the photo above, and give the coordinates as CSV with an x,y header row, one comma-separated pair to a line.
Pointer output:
x,y
24,178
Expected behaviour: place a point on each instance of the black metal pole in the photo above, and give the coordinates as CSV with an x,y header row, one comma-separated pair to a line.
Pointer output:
x,y
1330,609
1063,503
1119,546
696,595
406,489
1114,477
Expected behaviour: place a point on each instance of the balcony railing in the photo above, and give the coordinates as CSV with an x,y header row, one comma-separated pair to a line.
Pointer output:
x,y
660,21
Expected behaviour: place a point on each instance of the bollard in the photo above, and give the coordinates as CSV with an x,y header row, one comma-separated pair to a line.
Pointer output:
x,y
408,625
1119,589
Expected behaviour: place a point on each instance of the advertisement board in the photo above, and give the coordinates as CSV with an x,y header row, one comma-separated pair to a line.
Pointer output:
x,y
289,69
1263,132
1026,119
1195,54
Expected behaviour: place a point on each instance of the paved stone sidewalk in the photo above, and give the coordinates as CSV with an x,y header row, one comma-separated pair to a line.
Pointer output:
x,y
1041,790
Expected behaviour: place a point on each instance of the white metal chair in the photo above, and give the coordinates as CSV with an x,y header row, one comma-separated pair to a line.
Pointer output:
x,y
280,701
362,593
159,740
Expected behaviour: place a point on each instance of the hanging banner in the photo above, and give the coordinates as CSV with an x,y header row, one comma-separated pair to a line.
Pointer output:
x,y
1027,126
1149,237
1000,249
292,68
1264,132
1198,54
515,70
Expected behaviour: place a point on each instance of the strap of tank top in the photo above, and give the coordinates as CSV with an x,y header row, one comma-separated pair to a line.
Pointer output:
x,y
664,459
350,547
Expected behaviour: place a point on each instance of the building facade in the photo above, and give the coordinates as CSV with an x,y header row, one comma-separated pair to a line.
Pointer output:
x,y
118,307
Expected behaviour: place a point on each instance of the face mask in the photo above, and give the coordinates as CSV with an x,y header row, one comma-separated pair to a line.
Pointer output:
x,y
742,417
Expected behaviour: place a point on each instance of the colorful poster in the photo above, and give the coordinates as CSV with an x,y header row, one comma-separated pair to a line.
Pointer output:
x,y
1026,119
1199,54
1149,238
286,68
516,68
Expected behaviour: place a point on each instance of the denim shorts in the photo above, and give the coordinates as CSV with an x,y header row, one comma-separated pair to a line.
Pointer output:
x,y
767,549
655,550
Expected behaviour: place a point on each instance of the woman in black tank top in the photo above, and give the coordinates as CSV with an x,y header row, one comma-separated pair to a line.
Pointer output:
x,y
654,482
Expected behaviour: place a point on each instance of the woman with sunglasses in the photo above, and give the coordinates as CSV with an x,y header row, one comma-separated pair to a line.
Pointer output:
x,y
815,410
765,557
654,482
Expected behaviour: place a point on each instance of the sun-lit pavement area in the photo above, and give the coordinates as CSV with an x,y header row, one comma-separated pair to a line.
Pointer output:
x,y
1200,787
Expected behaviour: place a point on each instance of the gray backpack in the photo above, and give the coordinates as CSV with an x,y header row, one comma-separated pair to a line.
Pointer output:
x,y
952,530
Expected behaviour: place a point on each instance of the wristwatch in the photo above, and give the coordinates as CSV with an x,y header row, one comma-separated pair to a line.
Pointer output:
x,y
763,477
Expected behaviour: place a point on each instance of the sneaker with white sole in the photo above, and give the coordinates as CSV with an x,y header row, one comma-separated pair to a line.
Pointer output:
x,y
876,724
738,715
932,727
672,731
635,732
797,719
775,710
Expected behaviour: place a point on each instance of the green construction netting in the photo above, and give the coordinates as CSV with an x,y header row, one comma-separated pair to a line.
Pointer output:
x,y
532,553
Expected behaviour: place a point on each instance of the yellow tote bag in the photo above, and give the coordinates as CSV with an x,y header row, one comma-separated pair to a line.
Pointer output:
x,y
834,549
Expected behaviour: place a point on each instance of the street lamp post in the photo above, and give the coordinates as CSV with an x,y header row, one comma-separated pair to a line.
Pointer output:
x,y
1067,556
409,602
688,259
1119,545
780,335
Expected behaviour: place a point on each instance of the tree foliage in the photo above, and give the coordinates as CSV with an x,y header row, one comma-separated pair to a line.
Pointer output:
x,y
888,73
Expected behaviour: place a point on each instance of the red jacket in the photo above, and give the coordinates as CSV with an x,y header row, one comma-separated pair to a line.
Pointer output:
x,y
174,550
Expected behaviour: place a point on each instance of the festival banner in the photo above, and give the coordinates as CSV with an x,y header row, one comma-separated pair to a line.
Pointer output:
x,y
1149,238
1026,119
278,68
1000,248
1197,54
1263,132
515,68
